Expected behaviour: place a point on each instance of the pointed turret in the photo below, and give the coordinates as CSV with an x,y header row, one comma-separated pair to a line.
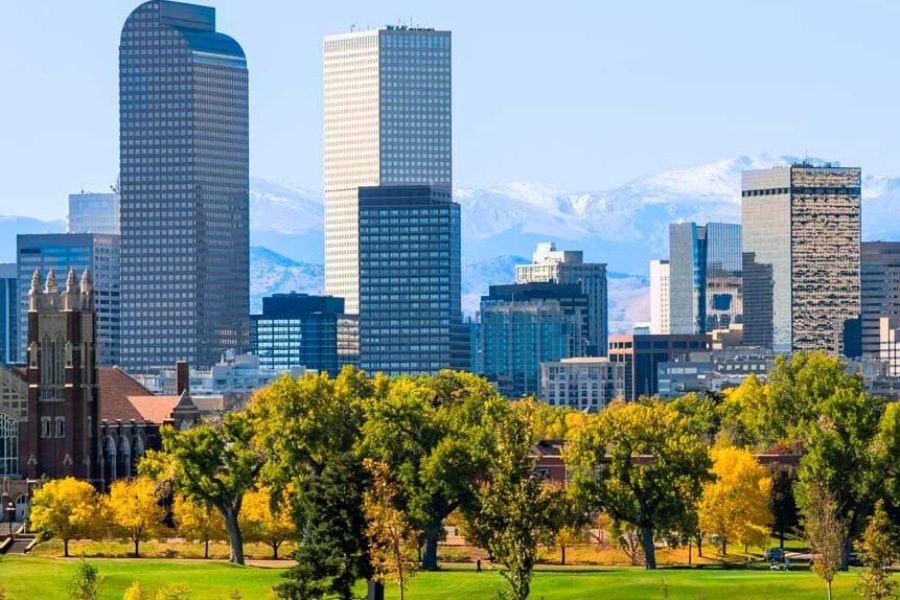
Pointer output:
x,y
86,289
70,282
70,296
34,294
51,287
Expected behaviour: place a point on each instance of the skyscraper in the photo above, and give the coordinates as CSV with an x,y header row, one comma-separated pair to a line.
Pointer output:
x,y
704,277
801,256
659,296
59,252
184,186
387,122
8,313
410,314
880,290
568,267
93,213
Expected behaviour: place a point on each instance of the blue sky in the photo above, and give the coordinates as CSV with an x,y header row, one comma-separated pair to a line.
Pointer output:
x,y
578,94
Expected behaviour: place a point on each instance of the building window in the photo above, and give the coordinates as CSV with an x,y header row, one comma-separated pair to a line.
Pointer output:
x,y
46,427
9,446
60,427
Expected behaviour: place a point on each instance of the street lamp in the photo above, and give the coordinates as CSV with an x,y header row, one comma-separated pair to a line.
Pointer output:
x,y
11,513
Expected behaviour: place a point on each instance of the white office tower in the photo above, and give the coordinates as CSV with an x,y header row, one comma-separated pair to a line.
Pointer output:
x,y
659,297
387,122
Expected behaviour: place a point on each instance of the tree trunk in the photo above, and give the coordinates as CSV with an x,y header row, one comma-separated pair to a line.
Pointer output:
x,y
724,547
430,558
845,556
137,548
275,551
781,539
206,548
649,550
700,545
234,537
829,589
66,547
562,555
689,552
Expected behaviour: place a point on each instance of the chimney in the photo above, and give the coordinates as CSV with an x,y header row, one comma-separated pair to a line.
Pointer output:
x,y
182,378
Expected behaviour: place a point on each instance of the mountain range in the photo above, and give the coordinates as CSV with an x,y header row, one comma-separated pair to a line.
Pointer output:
x,y
625,227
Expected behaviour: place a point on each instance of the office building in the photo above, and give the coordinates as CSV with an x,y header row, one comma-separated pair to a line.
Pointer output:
x,y
387,123
410,314
8,314
184,187
297,330
801,257
587,384
889,344
568,267
93,213
879,290
524,325
659,296
60,252
712,371
642,354
704,277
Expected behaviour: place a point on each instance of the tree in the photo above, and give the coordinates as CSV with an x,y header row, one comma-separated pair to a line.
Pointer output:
x,y
824,531
514,506
267,520
643,464
782,503
212,464
173,592
135,592
392,540
197,522
135,510
879,547
83,585
65,509
735,505
430,431
569,522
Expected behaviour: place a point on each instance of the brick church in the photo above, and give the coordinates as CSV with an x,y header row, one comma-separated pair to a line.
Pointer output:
x,y
62,415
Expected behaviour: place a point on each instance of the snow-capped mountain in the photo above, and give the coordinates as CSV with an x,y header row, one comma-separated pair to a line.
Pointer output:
x,y
272,273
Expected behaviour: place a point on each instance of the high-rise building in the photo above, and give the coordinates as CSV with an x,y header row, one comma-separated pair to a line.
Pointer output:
x,y
410,315
568,267
641,356
93,213
801,257
184,187
889,344
297,330
587,384
387,122
59,252
526,324
880,290
8,313
704,277
659,296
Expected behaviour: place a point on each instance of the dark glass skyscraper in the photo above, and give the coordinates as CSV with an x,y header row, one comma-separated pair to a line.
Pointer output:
x,y
184,185
8,314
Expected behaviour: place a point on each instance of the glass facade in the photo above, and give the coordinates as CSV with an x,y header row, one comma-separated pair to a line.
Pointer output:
x,y
387,122
801,256
705,277
99,254
297,330
524,325
410,318
93,213
8,314
184,186
880,290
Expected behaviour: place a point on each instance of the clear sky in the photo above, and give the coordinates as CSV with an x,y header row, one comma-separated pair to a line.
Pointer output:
x,y
578,94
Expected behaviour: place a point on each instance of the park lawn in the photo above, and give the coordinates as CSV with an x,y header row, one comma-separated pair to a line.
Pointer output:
x,y
35,578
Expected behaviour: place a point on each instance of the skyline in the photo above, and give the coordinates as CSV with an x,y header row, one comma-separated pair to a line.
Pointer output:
x,y
639,109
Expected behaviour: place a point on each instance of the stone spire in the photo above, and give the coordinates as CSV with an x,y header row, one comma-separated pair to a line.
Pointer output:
x,y
70,281
34,294
86,289
52,288
70,297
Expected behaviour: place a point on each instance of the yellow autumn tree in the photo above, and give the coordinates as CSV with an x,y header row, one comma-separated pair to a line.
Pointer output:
x,y
197,522
135,512
735,505
260,523
392,540
64,509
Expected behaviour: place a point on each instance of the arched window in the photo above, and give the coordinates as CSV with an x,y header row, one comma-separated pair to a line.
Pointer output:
x,y
9,446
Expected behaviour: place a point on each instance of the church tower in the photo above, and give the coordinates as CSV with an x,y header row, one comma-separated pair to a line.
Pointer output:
x,y
61,440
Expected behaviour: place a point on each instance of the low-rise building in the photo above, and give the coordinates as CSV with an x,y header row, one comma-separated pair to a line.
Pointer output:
x,y
587,384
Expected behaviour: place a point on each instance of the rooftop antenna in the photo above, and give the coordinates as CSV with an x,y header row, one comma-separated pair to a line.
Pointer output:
x,y
353,28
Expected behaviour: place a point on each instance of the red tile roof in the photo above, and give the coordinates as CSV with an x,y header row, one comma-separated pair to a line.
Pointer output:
x,y
114,387
156,409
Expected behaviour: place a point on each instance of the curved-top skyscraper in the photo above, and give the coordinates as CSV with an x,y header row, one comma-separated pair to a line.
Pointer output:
x,y
183,144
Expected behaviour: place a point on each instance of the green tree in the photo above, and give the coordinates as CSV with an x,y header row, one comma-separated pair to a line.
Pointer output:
x,y
824,531
886,470
308,429
643,464
514,506
84,583
65,509
879,548
212,464
430,432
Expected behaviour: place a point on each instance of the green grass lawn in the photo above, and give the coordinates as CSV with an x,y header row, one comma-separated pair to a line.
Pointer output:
x,y
36,578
